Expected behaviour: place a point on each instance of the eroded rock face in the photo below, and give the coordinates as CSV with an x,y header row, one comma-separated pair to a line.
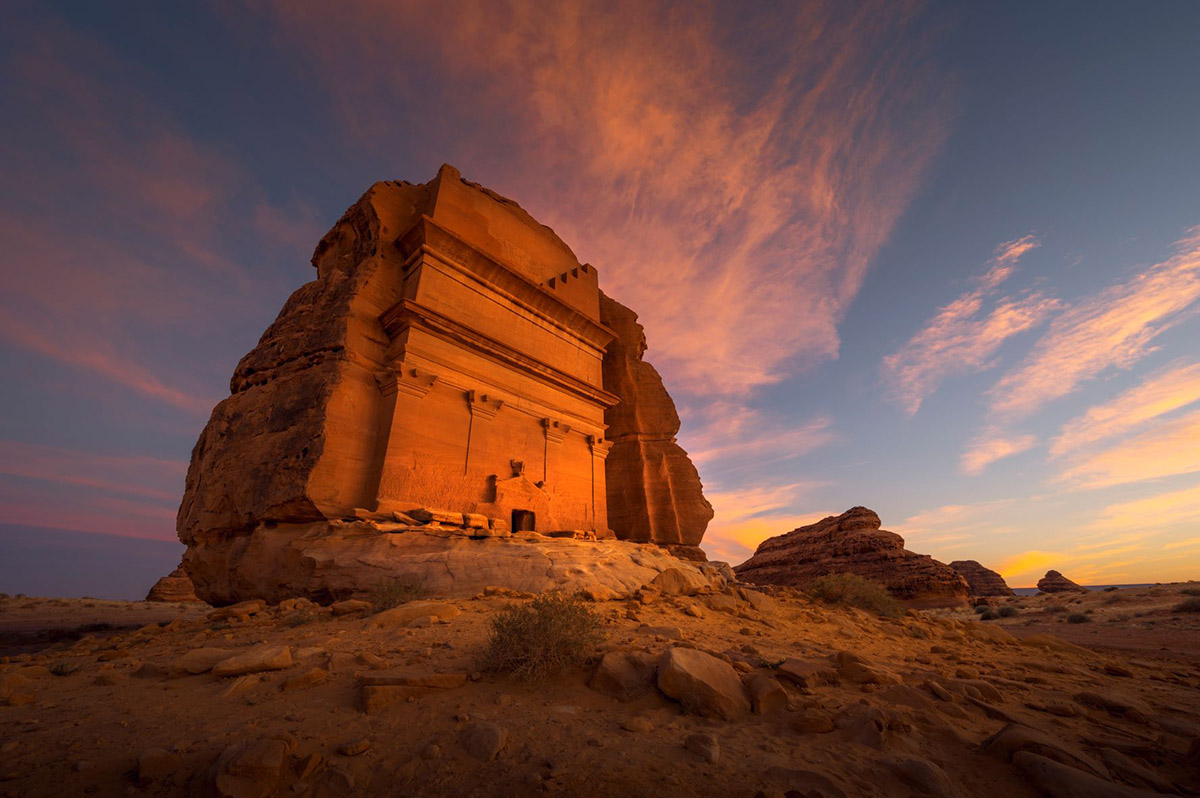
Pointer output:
x,y
654,490
175,586
853,543
451,353
982,581
1054,582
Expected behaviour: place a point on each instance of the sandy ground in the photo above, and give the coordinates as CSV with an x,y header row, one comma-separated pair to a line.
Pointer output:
x,y
109,714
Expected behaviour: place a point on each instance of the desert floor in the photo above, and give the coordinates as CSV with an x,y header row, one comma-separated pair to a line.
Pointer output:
x,y
89,705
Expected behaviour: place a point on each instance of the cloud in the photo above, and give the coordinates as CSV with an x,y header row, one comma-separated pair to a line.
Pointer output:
x,y
961,338
1113,328
731,176
990,446
747,517
1166,448
133,475
1165,391
731,435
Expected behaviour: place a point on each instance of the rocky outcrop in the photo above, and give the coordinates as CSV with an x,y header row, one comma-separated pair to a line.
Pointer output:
x,y
337,560
654,490
1054,582
175,586
982,581
853,543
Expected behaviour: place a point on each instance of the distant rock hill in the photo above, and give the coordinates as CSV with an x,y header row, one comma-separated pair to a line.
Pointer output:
x,y
1054,582
853,543
982,581
175,586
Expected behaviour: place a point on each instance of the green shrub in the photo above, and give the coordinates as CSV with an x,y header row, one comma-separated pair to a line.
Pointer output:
x,y
855,591
1188,605
389,593
988,615
980,609
542,638
1006,611
1078,617
1111,589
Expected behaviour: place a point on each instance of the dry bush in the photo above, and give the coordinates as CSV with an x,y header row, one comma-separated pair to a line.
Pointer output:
x,y
390,593
1006,611
988,615
855,591
542,638
1056,608
1078,617
1191,591
1188,605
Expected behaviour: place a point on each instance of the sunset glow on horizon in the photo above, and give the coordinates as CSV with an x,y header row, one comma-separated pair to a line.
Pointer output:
x,y
939,260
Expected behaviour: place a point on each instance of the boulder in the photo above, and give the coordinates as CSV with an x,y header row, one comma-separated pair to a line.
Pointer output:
x,y
625,675
483,740
654,490
1054,582
982,581
1062,781
258,659
175,586
249,769
702,683
202,660
407,614
854,543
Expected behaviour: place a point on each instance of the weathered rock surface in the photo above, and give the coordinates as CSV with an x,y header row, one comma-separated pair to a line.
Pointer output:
x,y
654,491
1054,582
175,586
702,683
982,581
510,379
853,543
331,562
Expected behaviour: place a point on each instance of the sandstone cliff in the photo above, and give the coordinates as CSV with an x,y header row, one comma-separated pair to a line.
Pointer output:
x,y
654,490
1054,582
853,543
982,581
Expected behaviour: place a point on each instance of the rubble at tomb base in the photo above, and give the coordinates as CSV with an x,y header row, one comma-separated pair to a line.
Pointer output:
x,y
982,581
451,353
853,543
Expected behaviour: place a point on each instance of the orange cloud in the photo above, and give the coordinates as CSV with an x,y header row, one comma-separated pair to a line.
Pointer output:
x,y
1167,390
732,434
1111,329
745,518
1028,566
744,191
958,340
991,446
1165,449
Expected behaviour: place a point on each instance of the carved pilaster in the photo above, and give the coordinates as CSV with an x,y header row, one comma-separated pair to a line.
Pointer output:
x,y
555,431
600,447
482,407
408,380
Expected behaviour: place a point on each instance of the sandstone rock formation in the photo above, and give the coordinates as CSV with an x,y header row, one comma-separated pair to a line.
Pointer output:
x,y
853,543
451,353
175,586
1054,582
654,491
982,581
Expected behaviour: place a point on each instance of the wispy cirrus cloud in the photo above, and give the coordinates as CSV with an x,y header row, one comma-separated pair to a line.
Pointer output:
x,y
1165,448
748,187
1166,390
962,337
1158,513
130,474
1113,328
747,517
991,445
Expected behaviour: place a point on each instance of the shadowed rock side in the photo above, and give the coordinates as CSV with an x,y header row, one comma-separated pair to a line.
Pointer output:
x,y
982,581
175,586
853,543
654,490
1054,582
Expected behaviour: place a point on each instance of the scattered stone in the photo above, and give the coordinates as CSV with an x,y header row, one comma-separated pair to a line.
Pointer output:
x,y
258,659
766,694
812,721
1015,738
637,724
241,611
239,686
694,610
722,602
351,606
678,582
202,660
625,675
483,740
406,614
704,745
310,678
249,769
156,763
804,673
702,683
354,748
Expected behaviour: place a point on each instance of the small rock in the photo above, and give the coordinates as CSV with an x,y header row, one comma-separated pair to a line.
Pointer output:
x,y
694,610
624,675
1113,669
702,683
812,721
637,724
249,769
483,740
257,659
405,614
156,763
680,582
766,694
202,660
354,748
309,678
351,606
704,745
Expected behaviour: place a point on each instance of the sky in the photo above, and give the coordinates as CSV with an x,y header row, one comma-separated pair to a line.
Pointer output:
x,y
939,259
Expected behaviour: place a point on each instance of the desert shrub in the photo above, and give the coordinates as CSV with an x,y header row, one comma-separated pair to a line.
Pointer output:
x,y
1006,611
63,668
389,593
1078,617
299,618
1191,591
539,639
1111,589
1113,600
988,615
1056,608
980,609
1188,605
855,591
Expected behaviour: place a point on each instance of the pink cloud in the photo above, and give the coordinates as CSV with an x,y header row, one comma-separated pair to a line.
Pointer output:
x,y
1165,448
961,338
133,475
652,149
1113,328
993,445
